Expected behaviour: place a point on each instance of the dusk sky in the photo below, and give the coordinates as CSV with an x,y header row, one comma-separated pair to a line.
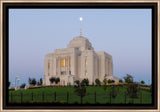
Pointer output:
x,y
123,33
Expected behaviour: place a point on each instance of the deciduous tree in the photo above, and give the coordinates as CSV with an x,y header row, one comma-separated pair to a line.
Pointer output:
x,y
97,81
128,78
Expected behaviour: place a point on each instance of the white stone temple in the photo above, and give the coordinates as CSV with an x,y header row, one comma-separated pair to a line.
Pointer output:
x,y
76,62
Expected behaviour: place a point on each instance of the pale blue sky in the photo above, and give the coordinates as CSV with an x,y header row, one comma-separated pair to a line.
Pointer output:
x,y
123,33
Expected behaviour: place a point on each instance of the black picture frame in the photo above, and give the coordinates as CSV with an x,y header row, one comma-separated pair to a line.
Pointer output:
x,y
5,39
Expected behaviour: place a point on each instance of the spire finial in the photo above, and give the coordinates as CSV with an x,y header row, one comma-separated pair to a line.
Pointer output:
x,y
80,32
81,23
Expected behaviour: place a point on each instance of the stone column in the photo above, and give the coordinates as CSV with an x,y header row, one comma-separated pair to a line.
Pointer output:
x,y
112,68
59,63
56,66
68,65
107,64
73,68
109,68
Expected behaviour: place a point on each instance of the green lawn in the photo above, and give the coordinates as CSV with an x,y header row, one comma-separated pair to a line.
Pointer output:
x,y
48,94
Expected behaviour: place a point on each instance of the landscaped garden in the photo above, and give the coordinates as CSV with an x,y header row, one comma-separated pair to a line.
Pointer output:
x,y
94,94
106,92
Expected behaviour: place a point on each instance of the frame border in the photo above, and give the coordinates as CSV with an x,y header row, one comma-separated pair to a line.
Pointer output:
x,y
155,40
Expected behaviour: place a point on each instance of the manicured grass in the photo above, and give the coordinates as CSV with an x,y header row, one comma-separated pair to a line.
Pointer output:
x,y
48,94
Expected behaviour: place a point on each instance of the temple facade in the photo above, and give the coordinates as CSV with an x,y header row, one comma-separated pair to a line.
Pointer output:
x,y
76,62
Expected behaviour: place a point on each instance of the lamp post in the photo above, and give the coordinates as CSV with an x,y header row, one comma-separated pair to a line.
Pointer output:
x,y
16,80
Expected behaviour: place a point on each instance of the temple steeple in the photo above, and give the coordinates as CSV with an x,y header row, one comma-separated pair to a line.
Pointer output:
x,y
80,32
81,23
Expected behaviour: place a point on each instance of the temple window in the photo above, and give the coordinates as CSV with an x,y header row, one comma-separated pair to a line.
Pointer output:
x,y
63,62
85,62
69,62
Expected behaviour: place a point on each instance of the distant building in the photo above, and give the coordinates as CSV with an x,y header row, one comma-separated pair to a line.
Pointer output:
x,y
76,62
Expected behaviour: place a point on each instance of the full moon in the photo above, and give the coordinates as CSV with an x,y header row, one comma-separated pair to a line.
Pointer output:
x,y
80,18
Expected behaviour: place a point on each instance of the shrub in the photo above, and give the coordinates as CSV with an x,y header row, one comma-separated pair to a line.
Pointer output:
x,y
32,81
23,86
97,81
52,79
113,81
104,81
128,79
85,82
109,81
142,82
121,81
57,80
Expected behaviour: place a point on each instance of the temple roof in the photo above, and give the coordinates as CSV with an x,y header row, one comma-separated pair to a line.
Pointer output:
x,y
79,42
79,38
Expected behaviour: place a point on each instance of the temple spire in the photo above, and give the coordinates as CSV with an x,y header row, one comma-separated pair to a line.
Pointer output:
x,y
80,32
81,23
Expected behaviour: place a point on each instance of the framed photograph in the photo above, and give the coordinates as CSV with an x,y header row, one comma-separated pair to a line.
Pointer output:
x,y
79,56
